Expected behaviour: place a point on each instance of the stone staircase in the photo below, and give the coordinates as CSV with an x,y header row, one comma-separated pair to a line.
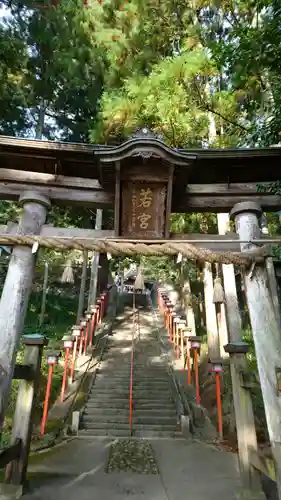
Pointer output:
x,y
107,409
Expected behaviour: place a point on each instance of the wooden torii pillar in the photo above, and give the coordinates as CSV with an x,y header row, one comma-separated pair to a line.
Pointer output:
x,y
244,415
211,318
16,291
265,328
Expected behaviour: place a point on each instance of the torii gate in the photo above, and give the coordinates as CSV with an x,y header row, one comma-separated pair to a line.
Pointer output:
x,y
145,181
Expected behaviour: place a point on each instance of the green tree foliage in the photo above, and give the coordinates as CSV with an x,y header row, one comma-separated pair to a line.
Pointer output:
x,y
52,69
169,64
12,97
244,40
160,74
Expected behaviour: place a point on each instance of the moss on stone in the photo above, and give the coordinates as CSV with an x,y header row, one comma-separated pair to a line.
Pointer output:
x,y
132,455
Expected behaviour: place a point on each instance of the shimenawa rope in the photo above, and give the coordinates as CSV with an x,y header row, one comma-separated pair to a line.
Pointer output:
x,y
115,247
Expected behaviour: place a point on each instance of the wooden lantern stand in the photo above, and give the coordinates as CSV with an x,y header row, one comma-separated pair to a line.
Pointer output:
x,y
52,360
216,367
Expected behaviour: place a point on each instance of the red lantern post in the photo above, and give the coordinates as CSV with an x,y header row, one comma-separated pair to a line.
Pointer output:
x,y
52,359
67,344
216,367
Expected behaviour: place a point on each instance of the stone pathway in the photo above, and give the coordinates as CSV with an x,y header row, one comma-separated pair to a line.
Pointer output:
x,y
94,467
188,470
106,412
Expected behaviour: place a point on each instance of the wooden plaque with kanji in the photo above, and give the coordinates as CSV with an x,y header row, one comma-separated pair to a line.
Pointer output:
x,y
143,209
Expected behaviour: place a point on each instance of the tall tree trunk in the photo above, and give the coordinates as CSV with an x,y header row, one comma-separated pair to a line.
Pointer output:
x,y
95,265
41,119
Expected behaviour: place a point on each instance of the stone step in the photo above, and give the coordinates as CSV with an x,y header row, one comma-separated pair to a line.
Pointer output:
x,y
152,393
124,426
111,370
110,386
117,353
102,393
124,419
118,344
145,401
146,397
140,365
137,378
154,412
154,361
115,359
105,425
138,413
141,386
92,433
154,356
105,411
152,404
111,381
104,432
110,377
124,351
147,379
148,433
137,388
108,382
153,420
146,371
114,362
141,375
110,403
104,370
160,396
150,374
88,420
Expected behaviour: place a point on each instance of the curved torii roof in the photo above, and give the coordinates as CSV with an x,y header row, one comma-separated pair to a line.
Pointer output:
x,y
146,144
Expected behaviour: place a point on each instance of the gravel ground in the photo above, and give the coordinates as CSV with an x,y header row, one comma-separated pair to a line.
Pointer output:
x,y
132,455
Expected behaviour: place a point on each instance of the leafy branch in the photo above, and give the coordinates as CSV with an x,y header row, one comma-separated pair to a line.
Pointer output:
x,y
209,108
